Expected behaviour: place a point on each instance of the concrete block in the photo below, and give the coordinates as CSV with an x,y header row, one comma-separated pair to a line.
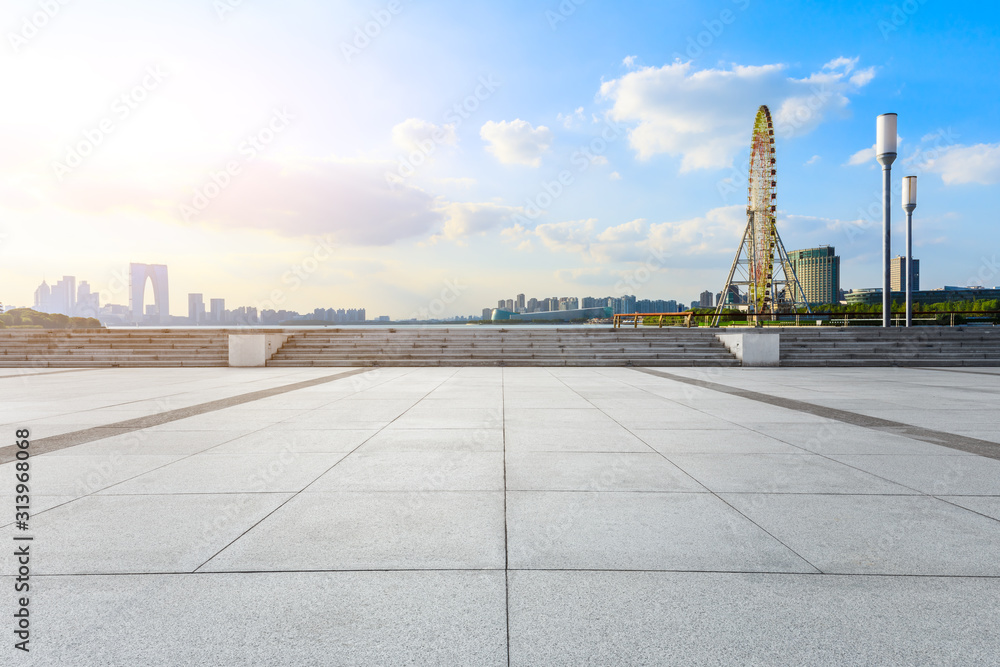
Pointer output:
x,y
753,349
254,349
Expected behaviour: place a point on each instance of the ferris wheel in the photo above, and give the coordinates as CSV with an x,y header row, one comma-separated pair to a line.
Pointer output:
x,y
770,287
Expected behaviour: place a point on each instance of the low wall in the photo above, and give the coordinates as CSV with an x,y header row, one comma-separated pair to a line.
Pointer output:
x,y
251,350
753,349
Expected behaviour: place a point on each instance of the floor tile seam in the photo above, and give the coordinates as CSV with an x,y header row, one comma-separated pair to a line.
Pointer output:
x,y
723,500
739,427
56,372
951,370
983,448
64,440
828,457
967,509
506,540
298,493
752,522
498,570
699,483
99,493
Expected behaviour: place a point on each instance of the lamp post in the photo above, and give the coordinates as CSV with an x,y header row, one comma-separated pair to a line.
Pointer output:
x,y
909,203
885,153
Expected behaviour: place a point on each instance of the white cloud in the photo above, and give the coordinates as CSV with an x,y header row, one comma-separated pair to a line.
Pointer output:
x,y
813,160
716,233
960,164
705,116
615,176
629,61
863,156
347,199
867,155
414,134
571,120
464,219
517,142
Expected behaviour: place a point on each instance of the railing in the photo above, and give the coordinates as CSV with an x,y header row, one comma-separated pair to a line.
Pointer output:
x,y
690,318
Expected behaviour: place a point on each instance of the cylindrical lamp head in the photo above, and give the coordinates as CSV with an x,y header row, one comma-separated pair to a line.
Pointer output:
x,y
909,193
885,135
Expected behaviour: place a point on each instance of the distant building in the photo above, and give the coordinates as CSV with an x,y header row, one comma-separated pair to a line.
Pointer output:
x,y
196,308
43,297
520,305
500,315
873,296
217,314
818,271
487,313
88,304
897,274
706,300
62,298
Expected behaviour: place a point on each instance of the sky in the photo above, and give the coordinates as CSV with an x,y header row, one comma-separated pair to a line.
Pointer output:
x,y
430,158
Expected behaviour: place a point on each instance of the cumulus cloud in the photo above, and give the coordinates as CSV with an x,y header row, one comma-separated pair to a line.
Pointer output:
x,y
414,134
464,219
960,164
517,141
863,156
716,233
813,160
571,120
704,116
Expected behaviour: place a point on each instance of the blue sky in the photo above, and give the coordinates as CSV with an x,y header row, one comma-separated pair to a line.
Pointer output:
x,y
270,155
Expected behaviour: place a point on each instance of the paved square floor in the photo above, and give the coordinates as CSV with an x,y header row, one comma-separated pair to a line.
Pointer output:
x,y
507,516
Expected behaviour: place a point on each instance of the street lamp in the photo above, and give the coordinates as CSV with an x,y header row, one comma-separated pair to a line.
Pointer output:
x,y
909,203
885,153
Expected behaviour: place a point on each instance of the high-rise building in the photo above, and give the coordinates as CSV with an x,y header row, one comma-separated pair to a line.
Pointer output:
x,y
520,305
705,300
487,313
88,304
43,296
897,274
818,271
532,305
501,304
196,308
62,298
218,311
509,305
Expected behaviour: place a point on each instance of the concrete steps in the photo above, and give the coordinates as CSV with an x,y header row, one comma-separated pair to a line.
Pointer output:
x,y
503,347
103,348
874,346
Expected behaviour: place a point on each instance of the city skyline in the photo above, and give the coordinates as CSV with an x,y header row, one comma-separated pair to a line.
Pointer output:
x,y
579,149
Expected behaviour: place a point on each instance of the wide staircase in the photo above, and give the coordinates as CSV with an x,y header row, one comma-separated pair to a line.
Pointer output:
x,y
875,346
481,346
104,348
